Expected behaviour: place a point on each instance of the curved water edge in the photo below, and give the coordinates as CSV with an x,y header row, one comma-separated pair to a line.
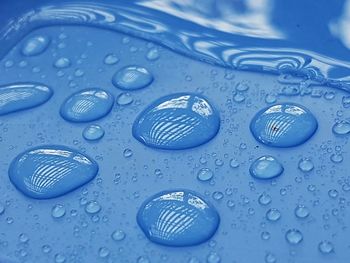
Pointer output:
x,y
254,43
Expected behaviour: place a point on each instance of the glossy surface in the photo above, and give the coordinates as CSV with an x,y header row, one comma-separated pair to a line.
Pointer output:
x,y
266,167
20,96
283,125
177,121
50,171
178,218
87,105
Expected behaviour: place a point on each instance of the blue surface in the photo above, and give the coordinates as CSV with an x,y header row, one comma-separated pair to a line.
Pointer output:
x,y
301,216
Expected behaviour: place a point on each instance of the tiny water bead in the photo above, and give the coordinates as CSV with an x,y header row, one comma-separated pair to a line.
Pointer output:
x,y
213,257
35,45
62,63
294,236
118,235
92,207
266,167
111,59
270,258
58,211
178,218
87,105
20,96
177,121
341,128
234,163
50,171
301,212
132,78
205,174
153,54
124,99
103,252
128,153
273,215
60,258
283,125
93,132
306,165
264,199
326,247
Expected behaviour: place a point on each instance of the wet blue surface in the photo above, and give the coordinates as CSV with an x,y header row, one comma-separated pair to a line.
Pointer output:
x,y
300,216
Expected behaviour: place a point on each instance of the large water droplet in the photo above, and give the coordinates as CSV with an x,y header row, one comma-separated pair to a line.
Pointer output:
x,y
20,96
266,167
35,45
178,218
132,78
283,125
87,105
93,132
294,236
50,171
177,121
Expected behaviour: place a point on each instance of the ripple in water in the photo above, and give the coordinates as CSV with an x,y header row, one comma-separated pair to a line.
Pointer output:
x,y
21,96
35,45
283,125
51,171
132,78
178,218
87,105
266,167
177,121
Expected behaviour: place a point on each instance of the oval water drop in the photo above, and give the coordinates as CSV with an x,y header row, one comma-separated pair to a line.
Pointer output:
x,y
87,105
62,63
35,45
266,167
51,171
326,247
132,78
21,96
111,59
178,218
93,132
341,128
294,236
177,121
283,125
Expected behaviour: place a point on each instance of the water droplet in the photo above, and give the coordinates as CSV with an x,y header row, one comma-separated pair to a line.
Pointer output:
x,y
143,259
124,99
103,252
346,101
265,235
2,209
341,128
213,257
270,98
58,211
128,153
306,165
234,163
177,121
46,249
205,174
50,171
239,97
153,54
283,125
23,238
266,167
132,78
93,132
294,236
35,45
178,218
270,258
264,199
273,215
301,211
336,158
21,96
92,207
118,235
333,193
60,258
111,59
325,247
79,73
87,105
62,63
217,195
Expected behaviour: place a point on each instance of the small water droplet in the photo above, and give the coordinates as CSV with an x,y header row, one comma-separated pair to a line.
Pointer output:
x,y
153,54
92,207
60,258
336,158
301,212
341,128
283,125
2,209
266,167
205,174
58,211
264,199
273,215
93,132
306,165
159,217
325,247
234,163
118,235
270,258
87,105
103,252
217,195
35,45
213,257
132,78
111,59
128,153
294,236
124,99
62,63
